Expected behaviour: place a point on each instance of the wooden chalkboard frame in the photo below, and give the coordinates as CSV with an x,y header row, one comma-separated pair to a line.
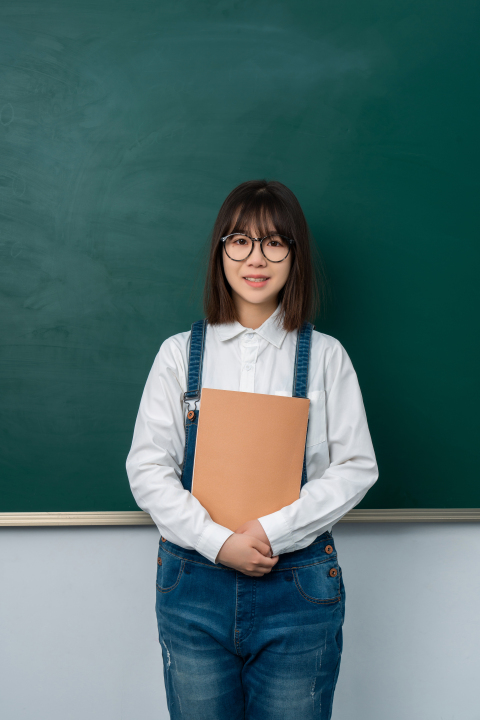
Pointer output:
x,y
139,517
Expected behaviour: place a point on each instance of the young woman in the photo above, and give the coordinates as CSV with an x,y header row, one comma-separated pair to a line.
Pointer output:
x,y
250,622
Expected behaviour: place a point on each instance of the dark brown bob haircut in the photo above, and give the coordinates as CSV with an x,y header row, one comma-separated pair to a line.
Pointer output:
x,y
255,203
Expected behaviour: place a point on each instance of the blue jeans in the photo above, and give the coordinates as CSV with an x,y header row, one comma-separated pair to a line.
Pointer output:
x,y
238,647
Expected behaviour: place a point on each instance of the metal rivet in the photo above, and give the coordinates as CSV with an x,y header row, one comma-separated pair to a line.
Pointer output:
x,y
191,414
333,572
328,549
164,539
159,561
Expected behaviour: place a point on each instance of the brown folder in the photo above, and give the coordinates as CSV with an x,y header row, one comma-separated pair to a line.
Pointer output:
x,y
249,454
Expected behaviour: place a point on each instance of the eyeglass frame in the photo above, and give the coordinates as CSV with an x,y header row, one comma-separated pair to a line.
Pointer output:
x,y
260,240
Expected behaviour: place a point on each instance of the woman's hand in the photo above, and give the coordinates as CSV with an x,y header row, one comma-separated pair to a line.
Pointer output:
x,y
247,554
255,528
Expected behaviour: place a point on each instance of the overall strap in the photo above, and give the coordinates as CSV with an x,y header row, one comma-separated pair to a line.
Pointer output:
x,y
195,361
194,390
302,360
300,376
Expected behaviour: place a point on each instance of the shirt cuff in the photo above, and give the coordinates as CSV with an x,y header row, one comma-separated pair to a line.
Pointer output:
x,y
278,532
211,540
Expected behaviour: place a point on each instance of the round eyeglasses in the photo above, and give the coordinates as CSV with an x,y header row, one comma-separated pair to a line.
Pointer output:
x,y
274,247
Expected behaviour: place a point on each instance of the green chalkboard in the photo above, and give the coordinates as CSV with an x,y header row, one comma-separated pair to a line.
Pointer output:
x,y
123,126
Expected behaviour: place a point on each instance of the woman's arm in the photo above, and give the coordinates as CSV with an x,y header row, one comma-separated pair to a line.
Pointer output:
x,y
353,468
156,457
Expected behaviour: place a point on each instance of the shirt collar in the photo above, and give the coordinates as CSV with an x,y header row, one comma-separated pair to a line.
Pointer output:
x,y
270,330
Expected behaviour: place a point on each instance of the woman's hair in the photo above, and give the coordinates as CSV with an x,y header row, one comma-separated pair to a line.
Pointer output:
x,y
254,203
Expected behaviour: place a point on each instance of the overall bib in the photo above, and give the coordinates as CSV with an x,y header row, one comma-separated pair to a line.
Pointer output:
x,y
237,647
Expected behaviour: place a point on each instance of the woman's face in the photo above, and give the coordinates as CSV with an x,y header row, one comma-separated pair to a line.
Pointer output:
x,y
256,266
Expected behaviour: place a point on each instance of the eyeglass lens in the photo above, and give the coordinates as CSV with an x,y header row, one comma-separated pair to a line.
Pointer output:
x,y
274,246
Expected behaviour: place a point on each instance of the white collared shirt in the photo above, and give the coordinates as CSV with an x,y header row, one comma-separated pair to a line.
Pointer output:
x,y
340,460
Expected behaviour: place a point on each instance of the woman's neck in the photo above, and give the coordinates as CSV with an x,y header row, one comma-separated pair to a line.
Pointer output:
x,y
252,315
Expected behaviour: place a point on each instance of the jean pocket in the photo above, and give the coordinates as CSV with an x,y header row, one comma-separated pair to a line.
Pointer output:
x,y
319,583
169,571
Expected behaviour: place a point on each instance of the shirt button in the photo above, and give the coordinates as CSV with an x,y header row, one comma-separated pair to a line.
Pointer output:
x,y
248,366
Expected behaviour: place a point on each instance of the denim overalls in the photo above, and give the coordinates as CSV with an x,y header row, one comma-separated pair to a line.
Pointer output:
x,y
238,647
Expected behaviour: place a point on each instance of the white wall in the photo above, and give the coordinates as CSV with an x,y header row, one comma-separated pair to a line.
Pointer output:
x,y
78,635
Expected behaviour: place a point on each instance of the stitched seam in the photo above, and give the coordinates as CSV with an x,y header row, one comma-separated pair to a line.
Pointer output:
x,y
180,557
167,590
235,633
282,569
184,462
252,615
329,601
298,567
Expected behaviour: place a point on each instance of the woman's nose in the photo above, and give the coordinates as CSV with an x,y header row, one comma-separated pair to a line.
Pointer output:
x,y
257,254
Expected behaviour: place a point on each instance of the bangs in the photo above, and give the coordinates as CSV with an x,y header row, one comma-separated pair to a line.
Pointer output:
x,y
264,212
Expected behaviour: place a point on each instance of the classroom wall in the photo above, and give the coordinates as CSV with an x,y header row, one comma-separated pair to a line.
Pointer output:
x,y
78,636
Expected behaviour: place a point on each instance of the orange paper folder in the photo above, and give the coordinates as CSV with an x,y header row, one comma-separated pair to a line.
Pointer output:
x,y
249,454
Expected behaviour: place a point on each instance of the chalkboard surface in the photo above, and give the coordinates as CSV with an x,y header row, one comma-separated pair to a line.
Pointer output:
x,y
123,126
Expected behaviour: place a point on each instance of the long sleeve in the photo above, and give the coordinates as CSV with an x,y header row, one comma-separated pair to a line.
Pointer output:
x,y
156,457
353,468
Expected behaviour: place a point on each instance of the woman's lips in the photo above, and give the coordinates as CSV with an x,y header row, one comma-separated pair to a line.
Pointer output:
x,y
258,283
